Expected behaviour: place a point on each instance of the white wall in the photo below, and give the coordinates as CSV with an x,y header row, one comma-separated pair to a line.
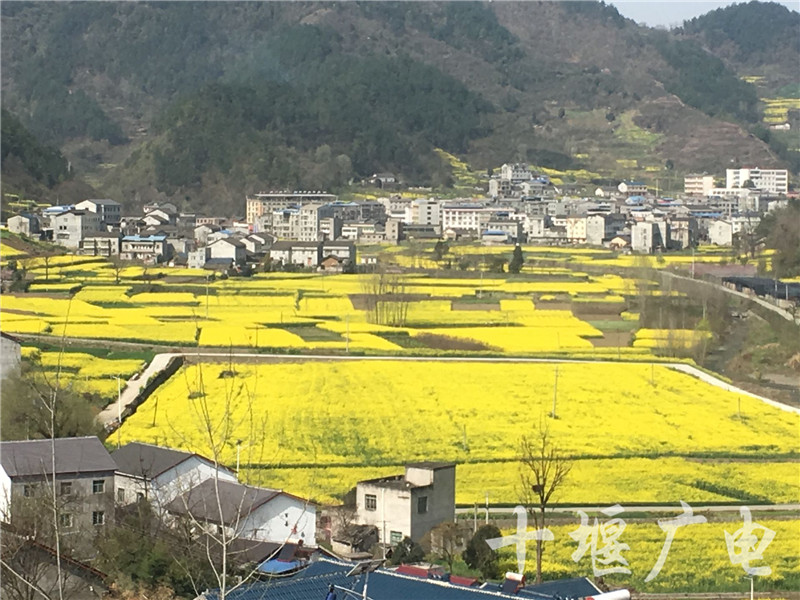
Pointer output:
x,y
183,477
5,494
275,520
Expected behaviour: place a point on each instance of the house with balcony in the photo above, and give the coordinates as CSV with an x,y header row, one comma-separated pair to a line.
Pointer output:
x,y
151,249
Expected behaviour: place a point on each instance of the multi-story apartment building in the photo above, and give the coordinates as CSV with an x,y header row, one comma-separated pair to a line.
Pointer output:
x,y
698,185
423,212
774,181
263,204
301,223
515,172
71,226
471,216
149,249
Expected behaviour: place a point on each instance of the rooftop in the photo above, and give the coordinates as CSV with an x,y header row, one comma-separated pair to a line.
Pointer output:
x,y
147,460
31,458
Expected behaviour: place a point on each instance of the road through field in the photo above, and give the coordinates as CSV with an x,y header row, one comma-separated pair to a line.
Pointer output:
x,y
109,416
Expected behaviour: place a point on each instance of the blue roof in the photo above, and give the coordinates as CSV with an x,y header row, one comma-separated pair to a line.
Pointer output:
x,y
275,566
312,584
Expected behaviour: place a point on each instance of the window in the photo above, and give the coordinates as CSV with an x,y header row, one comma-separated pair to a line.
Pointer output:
x,y
370,502
66,488
65,519
422,504
98,517
98,486
120,495
28,490
395,537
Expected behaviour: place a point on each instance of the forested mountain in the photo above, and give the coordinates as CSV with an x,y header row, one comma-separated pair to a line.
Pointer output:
x,y
751,35
203,102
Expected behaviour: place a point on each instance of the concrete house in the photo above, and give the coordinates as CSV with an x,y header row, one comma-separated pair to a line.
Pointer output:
x,y
408,505
307,254
71,226
228,248
150,249
342,250
84,474
24,224
110,212
250,513
720,233
160,474
100,243
10,355
201,233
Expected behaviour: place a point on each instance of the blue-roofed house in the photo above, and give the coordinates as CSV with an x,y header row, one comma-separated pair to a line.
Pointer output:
x,y
314,581
151,249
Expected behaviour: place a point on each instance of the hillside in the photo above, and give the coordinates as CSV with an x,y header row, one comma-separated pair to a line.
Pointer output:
x,y
204,102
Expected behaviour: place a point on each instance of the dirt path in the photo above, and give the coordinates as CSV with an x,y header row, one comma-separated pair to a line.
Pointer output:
x,y
110,416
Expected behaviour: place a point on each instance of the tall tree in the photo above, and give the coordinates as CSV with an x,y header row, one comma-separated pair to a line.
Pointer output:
x,y
478,555
543,470
517,260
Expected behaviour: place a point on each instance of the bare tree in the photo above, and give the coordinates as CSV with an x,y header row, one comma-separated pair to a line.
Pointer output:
x,y
217,522
387,299
42,514
543,470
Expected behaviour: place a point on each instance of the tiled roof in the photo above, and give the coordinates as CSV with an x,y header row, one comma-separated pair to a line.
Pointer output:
x,y
32,458
312,583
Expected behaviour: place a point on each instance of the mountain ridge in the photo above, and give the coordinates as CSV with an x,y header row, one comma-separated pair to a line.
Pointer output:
x,y
572,85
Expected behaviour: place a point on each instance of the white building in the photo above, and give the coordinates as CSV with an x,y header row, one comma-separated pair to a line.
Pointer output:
x,y
248,512
10,355
71,226
423,212
160,475
773,181
515,172
698,185
24,224
263,204
408,505
110,211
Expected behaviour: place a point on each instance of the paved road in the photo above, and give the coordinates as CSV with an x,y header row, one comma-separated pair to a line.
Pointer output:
x,y
760,301
110,415
633,508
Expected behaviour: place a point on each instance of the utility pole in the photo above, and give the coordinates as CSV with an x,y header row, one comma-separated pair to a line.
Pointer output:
x,y
207,297
119,412
555,394
487,508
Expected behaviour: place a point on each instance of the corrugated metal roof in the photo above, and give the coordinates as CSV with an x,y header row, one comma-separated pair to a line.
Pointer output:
x,y
312,583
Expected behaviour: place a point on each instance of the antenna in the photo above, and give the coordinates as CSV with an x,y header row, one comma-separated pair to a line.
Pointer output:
x,y
363,568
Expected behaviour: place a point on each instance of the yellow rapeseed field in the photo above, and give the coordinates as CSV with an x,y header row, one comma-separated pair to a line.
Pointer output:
x,y
346,413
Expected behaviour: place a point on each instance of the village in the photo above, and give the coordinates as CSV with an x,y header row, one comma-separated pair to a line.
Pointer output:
x,y
316,230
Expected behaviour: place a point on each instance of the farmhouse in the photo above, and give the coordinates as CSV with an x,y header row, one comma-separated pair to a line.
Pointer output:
x,y
247,512
408,505
84,474
160,474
